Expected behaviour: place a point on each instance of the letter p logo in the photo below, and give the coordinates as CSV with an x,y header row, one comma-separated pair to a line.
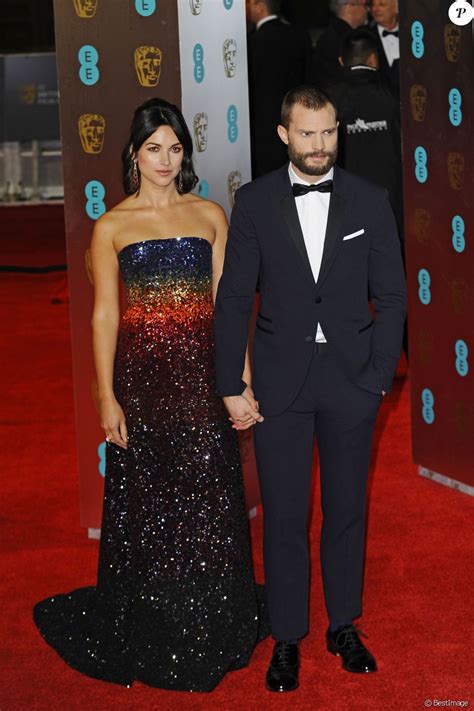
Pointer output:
x,y
461,12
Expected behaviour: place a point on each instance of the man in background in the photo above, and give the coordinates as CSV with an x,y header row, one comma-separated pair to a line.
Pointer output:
x,y
279,58
385,29
347,17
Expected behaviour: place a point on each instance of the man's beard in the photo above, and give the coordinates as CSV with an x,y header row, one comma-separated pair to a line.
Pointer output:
x,y
301,161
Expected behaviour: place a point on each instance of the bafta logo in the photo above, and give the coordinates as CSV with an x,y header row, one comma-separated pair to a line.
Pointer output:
x,y
200,123
196,6
28,94
148,65
459,294
452,42
456,170
425,343
418,102
88,265
85,8
229,51
463,415
234,181
91,131
422,225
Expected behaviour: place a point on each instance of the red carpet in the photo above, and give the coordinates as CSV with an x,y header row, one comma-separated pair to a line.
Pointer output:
x,y
419,575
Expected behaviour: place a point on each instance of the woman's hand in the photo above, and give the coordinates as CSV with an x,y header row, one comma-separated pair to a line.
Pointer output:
x,y
112,420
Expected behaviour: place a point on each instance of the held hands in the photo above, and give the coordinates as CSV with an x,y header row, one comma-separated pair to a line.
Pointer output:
x,y
112,421
243,410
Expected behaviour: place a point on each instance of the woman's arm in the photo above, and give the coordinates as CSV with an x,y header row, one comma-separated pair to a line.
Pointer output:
x,y
105,321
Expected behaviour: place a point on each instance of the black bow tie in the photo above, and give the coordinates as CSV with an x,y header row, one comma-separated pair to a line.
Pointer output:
x,y
300,189
386,33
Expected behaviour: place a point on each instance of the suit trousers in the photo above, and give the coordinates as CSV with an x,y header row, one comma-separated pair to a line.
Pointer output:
x,y
341,416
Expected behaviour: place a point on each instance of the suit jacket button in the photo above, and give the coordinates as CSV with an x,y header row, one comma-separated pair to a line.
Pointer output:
x,y
309,339
318,300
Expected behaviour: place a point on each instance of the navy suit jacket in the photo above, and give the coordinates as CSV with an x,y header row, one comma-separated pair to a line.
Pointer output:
x,y
266,247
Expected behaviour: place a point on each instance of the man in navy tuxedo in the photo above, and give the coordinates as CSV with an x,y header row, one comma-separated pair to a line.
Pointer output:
x,y
317,240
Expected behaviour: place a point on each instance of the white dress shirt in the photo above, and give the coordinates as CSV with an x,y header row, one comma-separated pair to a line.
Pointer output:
x,y
313,209
391,45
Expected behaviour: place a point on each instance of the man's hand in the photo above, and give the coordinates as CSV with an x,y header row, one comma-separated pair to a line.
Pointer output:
x,y
243,409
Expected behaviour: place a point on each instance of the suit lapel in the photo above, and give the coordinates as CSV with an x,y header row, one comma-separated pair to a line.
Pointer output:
x,y
333,238
290,213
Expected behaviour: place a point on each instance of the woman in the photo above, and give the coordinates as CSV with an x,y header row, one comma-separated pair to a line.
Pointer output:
x,y
175,604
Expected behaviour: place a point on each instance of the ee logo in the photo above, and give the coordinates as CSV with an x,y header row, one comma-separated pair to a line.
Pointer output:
x,y
198,57
427,411
88,57
424,281
95,193
455,101
101,454
145,8
203,189
459,242
462,352
461,12
228,4
417,34
232,128
421,159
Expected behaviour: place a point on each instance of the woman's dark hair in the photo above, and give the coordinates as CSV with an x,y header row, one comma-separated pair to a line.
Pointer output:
x,y
146,119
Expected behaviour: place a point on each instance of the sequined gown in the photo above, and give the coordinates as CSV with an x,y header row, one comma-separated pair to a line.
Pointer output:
x,y
175,605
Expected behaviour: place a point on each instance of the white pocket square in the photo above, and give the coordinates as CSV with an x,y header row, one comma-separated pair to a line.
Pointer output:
x,y
353,234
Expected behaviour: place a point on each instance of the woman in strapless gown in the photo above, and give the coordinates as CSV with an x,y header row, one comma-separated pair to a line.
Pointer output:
x,y
175,605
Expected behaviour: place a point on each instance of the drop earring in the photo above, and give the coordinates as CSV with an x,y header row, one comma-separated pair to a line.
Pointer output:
x,y
180,182
135,178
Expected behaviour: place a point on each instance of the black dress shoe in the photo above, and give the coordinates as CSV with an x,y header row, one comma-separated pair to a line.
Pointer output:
x,y
345,643
282,674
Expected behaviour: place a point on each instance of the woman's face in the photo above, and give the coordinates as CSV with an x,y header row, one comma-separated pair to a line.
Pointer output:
x,y
160,157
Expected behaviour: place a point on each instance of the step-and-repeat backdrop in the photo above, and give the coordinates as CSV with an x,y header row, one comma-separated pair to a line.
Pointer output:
x,y
113,55
437,103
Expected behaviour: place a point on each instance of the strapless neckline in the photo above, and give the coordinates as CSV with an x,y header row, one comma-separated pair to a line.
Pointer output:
x,y
161,239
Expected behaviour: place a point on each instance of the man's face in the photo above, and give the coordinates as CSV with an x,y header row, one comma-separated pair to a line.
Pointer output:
x,y
358,12
385,12
252,9
311,139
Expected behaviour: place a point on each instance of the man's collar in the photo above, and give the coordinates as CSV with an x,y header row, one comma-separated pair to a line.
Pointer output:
x,y
264,20
381,29
294,178
362,66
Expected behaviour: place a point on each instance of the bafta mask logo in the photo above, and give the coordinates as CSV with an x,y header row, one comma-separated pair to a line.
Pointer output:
x,y
234,181
86,8
229,51
463,416
425,344
91,131
452,42
200,123
28,94
418,102
196,6
459,294
88,265
422,225
456,170
148,65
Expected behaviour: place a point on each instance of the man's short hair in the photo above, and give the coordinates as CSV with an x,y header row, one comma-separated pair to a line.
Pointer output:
x,y
357,47
273,6
307,96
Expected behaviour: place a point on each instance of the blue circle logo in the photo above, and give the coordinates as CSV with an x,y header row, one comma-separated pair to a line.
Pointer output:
x,y
427,410
458,240
198,57
232,127
462,352
417,34
95,194
203,189
88,57
421,160
101,449
455,101
424,281
228,4
145,8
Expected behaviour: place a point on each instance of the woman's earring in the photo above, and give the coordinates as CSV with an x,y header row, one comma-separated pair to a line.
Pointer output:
x,y
135,175
180,182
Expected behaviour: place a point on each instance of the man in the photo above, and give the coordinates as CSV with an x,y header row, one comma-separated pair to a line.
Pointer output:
x,y
385,14
370,141
317,239
279,57
347,17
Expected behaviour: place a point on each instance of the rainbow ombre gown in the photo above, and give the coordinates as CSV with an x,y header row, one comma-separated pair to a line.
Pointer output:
x,y
175,604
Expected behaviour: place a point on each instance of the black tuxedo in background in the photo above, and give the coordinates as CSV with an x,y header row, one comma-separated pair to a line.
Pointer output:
x,y
326,68
391,73
279,57
304,389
